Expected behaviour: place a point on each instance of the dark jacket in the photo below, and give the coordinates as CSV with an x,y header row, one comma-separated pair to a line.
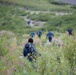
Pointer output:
x,y
49,34
32,34
30,51
39,33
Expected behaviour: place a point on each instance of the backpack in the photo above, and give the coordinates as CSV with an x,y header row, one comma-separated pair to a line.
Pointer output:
x,y
27,49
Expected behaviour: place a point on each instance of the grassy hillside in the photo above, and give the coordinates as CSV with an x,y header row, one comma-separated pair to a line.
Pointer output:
x,y
53,60
61,23
54,22
14,33
11,18
39,5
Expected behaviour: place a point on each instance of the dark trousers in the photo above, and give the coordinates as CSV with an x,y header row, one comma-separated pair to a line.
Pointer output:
x,y
70,33
50,39
39,36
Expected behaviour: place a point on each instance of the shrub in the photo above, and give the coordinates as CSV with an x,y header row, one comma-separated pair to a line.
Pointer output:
x,y
56,2
73,6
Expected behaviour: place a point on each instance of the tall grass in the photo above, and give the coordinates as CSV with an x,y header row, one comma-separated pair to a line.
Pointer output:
x,y
53,60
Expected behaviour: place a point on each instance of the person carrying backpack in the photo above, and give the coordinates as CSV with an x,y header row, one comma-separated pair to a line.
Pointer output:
x,y
30,51
32,34
49,36
39,33
28,22
69,31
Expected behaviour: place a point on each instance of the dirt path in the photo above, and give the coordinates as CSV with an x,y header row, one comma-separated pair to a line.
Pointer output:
x,y
34,23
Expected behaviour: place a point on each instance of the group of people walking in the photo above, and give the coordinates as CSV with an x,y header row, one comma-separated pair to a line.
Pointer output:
x,y
39,33
30,49
49,35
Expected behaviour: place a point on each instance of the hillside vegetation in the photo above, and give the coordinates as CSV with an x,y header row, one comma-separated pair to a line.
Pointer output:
x,y
40,5
14,33
61,23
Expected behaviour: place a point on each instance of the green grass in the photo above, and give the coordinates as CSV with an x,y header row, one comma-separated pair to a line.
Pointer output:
x,y
14,34
53,60
11,18
41,16
39,5
61,23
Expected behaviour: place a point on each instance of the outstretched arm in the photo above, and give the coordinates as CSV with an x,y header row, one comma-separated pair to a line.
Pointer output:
x,y
52,34
35,51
